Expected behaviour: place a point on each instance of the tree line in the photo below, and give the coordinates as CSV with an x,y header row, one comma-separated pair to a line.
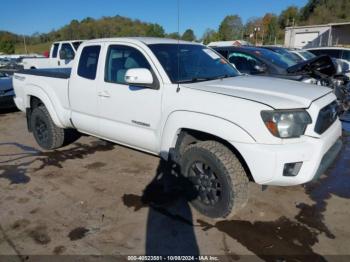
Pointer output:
x,y
268,29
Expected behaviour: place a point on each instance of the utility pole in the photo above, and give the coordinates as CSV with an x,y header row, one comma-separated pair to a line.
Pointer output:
x,y
25,45
256,30
291,34
262,37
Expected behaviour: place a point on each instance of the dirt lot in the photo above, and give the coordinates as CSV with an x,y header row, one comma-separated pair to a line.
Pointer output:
x,y
97,198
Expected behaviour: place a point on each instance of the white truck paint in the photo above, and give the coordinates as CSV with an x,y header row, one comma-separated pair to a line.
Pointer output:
x,y
61,55
151,119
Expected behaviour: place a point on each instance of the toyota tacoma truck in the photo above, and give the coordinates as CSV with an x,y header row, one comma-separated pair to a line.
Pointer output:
x,y
185,103
61,56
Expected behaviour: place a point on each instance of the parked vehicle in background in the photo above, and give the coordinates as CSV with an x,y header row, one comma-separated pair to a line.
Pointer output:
x,y
4,62
14,64
299,55
340,53
229,43
302,54
61,55
184,102
6,91
283,51
261,61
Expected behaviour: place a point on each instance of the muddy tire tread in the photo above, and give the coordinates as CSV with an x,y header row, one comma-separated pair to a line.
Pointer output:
x,y
233,170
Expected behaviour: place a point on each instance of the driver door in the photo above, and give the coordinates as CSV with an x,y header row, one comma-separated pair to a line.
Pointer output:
x,y
128,114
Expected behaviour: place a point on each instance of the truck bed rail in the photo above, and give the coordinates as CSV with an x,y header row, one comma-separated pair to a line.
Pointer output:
x,y
63,73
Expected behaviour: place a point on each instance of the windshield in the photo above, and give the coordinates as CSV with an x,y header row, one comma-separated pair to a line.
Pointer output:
x,y
192,63
275,58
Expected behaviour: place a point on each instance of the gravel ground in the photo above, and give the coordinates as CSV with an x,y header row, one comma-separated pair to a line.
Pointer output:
x,y
96,198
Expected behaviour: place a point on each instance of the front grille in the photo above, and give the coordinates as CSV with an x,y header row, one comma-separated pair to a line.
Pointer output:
x,y
327,116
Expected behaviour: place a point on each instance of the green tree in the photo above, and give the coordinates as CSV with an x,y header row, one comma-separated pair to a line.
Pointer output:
x,y
155,30
270,28
174,35
325,11
231,28
250,33
188,35
289,17
210,35
7,44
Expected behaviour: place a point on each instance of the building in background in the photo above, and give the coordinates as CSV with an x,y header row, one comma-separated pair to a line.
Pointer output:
x,y
334,34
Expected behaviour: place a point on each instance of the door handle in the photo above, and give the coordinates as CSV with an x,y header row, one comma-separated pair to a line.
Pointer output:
x,y
103,94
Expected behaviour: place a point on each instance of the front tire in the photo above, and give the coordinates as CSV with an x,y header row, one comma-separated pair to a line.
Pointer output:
x,y
45,132
218,177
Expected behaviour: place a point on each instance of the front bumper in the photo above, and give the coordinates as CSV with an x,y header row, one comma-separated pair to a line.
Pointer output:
x,y
266,162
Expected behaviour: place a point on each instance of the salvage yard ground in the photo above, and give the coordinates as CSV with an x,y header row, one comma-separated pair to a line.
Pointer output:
x,y
96,198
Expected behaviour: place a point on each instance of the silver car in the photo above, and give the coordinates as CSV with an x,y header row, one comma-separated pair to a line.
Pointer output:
x,y
6,91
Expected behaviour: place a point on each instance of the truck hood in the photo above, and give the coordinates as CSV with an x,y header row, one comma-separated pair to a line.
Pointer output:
x,y
274,92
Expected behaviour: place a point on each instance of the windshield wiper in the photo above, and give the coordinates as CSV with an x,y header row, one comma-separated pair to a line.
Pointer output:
x,y
193,80
221,77
200,79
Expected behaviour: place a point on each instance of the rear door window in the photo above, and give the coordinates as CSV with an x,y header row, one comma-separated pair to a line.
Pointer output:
x,y
88,62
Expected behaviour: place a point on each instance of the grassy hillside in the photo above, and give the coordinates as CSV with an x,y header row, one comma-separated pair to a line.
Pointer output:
x,y
37,48
326,11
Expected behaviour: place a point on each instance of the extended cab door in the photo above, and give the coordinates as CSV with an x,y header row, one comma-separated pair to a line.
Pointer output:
x,y
83,90
128,114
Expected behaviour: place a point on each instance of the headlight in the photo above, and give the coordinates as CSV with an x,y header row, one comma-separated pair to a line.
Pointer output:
x,y
286,123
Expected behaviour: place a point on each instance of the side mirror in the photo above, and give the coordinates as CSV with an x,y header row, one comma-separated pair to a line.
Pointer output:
x,y
139,77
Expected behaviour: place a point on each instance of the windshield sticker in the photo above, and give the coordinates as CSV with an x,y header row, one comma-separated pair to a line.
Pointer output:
x,y
211,53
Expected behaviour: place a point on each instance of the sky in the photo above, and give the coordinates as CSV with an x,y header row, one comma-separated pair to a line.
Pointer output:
x,y
28,17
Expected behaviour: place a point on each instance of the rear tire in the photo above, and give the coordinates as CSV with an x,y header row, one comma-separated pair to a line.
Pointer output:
x,y
45,132
218,177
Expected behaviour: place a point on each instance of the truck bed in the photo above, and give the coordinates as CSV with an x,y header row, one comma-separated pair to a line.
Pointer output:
x,y
50,85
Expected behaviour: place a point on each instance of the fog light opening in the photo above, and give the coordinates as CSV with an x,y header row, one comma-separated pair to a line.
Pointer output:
x,y
292,169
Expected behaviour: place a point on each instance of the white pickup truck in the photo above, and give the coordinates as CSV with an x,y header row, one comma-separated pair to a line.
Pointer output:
x,y
186,103
61,56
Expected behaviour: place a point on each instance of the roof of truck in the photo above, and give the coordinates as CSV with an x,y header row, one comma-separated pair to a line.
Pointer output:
x,y
327,47
145,40
68,41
